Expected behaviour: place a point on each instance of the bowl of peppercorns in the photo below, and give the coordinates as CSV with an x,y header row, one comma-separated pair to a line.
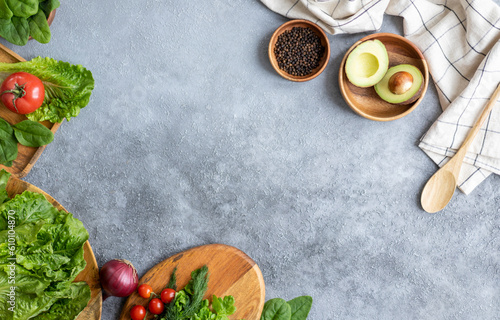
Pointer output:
x,y
299,50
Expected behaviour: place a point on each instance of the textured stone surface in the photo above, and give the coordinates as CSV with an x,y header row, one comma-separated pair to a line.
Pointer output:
x,y
191,138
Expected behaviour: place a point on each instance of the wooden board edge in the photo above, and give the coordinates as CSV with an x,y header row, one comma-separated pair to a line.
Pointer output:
x,y
11,53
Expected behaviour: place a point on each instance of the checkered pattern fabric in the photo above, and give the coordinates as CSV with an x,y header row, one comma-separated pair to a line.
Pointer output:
x,y
460,40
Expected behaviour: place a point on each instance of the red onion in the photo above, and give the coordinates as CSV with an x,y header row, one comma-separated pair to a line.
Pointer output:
x,y
118,278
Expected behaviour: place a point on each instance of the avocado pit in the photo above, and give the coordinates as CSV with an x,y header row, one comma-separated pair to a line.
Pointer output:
x,y
400,82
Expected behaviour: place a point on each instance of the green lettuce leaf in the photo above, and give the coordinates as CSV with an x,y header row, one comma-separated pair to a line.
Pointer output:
x,y
70,306
67,87
48,256
223,307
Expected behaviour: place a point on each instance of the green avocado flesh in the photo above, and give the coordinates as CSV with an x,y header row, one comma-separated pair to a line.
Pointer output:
x,y
367,63
382,88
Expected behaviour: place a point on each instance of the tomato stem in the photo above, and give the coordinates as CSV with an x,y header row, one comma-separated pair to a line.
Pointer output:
x,y
18,92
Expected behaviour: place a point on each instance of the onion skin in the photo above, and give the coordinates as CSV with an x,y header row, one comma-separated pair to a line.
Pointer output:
x,y
118,278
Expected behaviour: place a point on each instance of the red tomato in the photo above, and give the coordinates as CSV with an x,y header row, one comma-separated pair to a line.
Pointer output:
x,y
145,290
22,92
156,306
137,312
167,295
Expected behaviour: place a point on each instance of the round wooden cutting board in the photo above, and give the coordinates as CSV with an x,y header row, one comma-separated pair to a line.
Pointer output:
x,y
91,272
231,272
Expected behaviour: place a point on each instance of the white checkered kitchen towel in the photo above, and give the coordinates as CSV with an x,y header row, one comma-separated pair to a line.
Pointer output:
x,y
460,40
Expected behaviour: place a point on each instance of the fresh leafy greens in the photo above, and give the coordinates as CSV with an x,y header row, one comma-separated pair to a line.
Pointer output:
x,y
20,19
28,133
279,309
67,87
41,253
32,134
189,304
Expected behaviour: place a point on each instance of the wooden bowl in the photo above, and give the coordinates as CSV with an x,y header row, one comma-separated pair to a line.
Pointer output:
x,y
51,16
365,101
304,24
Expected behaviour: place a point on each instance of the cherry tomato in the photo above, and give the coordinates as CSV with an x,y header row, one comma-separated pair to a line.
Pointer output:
x,y
145,290
167,295
22,92
156,306
137,312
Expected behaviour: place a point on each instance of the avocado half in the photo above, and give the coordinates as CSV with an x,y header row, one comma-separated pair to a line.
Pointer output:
x,y
413,80
367,64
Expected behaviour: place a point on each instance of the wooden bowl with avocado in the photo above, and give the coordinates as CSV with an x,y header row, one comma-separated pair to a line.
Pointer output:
x,y
383,77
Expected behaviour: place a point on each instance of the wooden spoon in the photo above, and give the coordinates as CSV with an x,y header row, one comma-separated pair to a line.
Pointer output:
x,y
439,190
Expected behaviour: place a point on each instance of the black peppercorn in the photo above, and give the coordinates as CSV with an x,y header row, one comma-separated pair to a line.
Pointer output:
x,y
298,51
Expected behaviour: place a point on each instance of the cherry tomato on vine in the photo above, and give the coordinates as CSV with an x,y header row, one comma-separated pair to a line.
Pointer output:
x,y
137,312
167,295
156,306
22,92
145,290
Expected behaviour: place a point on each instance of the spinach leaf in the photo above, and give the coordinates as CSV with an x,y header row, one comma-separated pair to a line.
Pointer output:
x,y
48,5
5,129
23,8
276,309
39,27
8,150
5,12
300,307
32,134
15,30
67,87
4,178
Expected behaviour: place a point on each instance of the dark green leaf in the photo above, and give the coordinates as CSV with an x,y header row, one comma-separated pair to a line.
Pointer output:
x,y
300,307
15,30
5,129
39,27
276,309
5,12
32,134
49,5
8,150
4,178
23,8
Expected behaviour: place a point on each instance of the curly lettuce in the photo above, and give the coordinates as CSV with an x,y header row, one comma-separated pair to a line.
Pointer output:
x,y
67,87
41,253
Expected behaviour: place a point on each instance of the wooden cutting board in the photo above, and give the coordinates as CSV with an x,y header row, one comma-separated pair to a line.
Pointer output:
x,y
231,271
91,272
27,156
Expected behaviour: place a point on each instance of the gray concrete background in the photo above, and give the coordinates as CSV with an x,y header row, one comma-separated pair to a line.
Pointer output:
x,y
191,138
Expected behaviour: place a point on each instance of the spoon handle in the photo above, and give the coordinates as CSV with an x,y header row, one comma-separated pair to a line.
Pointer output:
x,y
479,122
